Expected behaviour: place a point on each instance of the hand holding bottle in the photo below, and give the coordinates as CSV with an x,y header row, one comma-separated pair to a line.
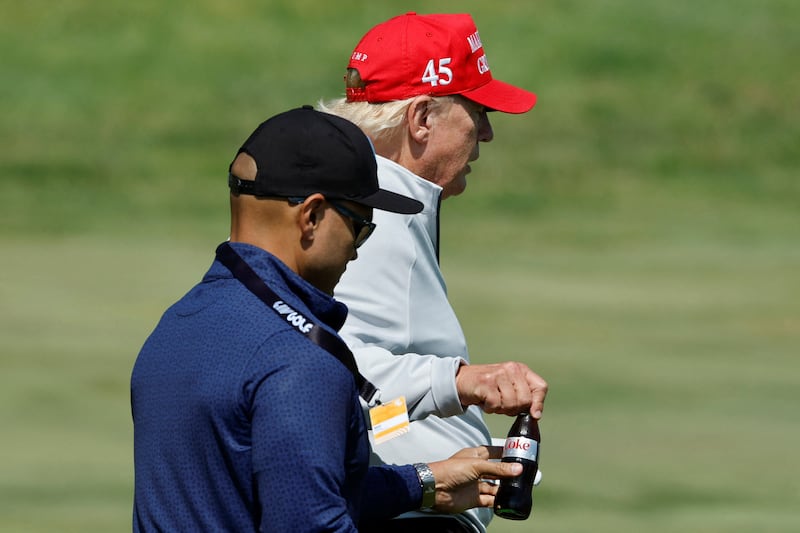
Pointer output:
x,y
461,479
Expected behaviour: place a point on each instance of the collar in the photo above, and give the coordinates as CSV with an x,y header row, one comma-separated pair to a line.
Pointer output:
x,y
398,178
287,284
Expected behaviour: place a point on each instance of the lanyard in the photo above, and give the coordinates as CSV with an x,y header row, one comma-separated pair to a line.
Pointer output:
x,y
329,342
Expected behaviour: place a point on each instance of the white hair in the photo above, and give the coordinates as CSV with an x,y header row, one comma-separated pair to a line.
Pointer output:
x,y
379,121
382,121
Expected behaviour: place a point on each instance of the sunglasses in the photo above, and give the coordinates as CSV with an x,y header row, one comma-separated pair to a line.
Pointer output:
x,y
362,228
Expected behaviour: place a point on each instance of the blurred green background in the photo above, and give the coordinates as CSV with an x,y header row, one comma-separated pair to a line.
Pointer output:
x,y
635,238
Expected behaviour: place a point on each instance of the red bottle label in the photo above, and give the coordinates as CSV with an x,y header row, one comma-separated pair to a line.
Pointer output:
x,y
521,447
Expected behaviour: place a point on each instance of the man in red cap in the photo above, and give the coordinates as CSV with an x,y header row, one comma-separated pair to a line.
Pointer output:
x,y
420,86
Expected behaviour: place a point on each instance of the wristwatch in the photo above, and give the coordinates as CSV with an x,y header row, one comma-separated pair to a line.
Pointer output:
x,y
428,485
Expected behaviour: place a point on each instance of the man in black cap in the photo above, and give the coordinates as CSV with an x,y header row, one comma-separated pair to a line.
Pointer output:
x,y
245,400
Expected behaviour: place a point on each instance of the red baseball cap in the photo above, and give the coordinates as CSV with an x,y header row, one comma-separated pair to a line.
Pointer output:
x,y
410,55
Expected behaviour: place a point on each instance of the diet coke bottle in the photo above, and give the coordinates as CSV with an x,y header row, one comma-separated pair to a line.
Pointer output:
x,y
514,498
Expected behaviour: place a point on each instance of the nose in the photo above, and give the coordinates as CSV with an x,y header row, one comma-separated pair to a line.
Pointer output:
x,y
485,131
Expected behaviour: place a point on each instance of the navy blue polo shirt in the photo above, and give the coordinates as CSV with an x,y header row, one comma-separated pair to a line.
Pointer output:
x,y
241,423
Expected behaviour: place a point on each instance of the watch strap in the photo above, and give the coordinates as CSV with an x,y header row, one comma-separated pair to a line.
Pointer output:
x,y
428,485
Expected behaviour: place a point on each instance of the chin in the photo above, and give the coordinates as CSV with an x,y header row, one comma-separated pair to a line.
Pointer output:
x,y
455,189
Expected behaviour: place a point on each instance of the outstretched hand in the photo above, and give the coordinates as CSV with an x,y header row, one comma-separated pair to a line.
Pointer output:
x,y
508,388
460,480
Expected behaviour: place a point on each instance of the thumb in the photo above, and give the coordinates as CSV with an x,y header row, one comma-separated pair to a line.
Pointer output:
x,y
490,470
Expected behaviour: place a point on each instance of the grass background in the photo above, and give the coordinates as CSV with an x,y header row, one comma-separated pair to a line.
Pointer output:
x,y
634,238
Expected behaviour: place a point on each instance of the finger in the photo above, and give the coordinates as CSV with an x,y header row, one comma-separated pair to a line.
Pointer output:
x,y
523,392
486,487
518,387
481,452
507,393
489,469
476,452
539,388
486,500
492,396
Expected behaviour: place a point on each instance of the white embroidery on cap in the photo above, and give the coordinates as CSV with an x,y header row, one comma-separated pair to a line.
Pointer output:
x,y
483,64
474,41
442,76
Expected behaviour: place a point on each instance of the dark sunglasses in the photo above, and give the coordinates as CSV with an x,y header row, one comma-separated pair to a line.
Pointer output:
x,y
362,228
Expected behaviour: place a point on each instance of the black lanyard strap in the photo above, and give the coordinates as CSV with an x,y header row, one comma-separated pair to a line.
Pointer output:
x,y
321,337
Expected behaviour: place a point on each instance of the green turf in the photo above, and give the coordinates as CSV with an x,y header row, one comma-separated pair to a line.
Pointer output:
x,y
634,238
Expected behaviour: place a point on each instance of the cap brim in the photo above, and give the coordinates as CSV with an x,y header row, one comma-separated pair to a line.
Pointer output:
x,y
500,96
390,201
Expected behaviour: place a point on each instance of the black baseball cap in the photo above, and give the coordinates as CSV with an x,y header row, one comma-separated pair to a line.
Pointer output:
x,y
304,151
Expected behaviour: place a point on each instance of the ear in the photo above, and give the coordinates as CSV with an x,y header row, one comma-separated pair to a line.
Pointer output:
x,y
418,119
310,216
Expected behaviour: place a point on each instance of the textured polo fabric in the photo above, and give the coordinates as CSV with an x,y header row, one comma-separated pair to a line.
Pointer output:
x,y
405,334
243,424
